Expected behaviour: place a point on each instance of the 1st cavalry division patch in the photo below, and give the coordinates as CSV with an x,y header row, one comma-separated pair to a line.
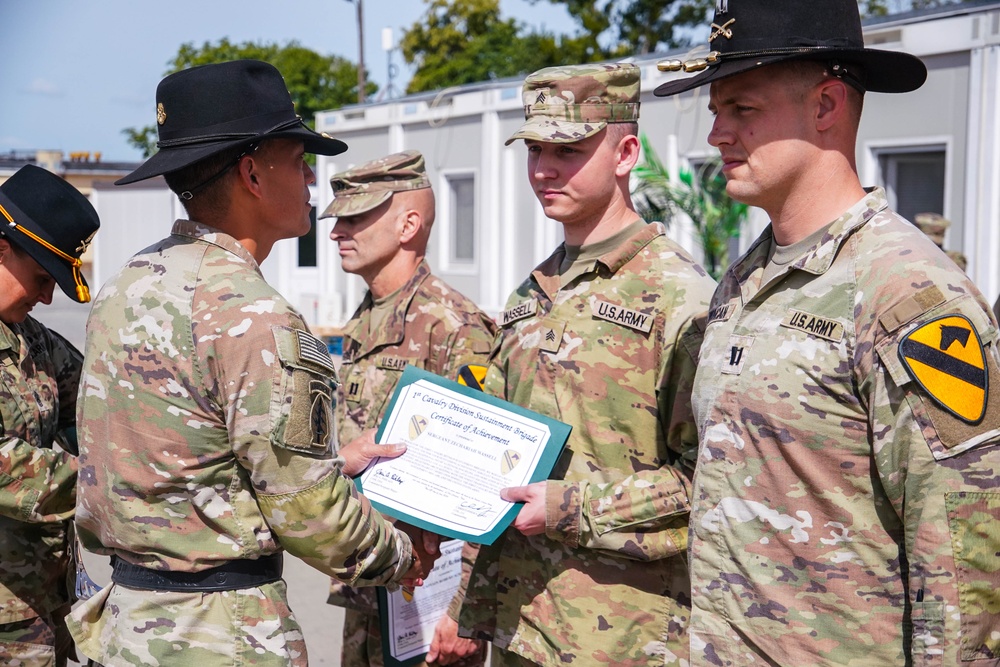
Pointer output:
x,y
946,358
472,375
416,426
510,460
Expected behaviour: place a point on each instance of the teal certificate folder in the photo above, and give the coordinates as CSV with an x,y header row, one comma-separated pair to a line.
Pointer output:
x,y
463,446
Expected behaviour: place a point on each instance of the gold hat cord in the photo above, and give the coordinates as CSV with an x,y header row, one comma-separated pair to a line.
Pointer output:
x,y
82,293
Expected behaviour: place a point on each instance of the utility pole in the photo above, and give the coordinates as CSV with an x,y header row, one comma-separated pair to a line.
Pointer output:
x,y
361,55
388,45
361,51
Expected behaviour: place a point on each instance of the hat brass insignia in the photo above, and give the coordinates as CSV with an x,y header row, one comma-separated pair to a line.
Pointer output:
x,y
161,113
723,30
84,244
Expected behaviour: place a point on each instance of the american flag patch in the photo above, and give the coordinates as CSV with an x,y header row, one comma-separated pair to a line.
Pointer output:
x,y
314,350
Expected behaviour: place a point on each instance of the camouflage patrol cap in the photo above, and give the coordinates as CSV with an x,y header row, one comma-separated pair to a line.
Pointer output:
x,y
371,184
570,103
933,225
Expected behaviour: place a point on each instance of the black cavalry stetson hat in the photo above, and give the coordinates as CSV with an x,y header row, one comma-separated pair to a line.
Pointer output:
x,y
746,34
50,220
208,109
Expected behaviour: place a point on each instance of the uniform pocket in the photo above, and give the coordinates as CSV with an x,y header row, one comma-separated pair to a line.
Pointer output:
x,y
928,633
973,518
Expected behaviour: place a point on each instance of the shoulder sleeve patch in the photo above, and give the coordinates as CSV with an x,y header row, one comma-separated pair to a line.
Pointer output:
x,y
472,375
946,358
950,362
300,348
302,401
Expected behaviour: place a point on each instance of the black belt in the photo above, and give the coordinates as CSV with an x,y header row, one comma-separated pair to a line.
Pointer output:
x,y
231,576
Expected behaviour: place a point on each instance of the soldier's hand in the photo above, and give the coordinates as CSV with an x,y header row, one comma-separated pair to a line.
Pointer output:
x,y
531,519
447,647
425,546
363,450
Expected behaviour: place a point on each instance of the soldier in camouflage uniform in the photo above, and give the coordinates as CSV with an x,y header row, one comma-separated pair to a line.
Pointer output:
x,y
207,441
935,225
602,336
384,210
46,225
845,507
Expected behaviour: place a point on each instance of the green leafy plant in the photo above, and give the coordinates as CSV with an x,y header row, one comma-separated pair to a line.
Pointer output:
x,y
700,195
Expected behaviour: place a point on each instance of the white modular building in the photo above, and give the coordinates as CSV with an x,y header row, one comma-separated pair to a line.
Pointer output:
x,y
934,150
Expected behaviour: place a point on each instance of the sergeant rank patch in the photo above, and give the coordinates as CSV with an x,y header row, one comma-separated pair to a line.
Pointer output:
x,y
946,358
551,335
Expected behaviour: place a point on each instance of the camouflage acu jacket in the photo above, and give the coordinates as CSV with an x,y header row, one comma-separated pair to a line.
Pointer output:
x,y
845,507
431,326
39,374
612,354
206,435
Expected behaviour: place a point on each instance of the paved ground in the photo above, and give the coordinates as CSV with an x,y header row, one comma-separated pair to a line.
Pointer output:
x,y
307,588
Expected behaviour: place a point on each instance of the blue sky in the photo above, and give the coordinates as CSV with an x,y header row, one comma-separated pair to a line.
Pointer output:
x,y
76,72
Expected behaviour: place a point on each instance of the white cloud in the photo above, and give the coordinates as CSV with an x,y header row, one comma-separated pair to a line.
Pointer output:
x,y
43,87
12,142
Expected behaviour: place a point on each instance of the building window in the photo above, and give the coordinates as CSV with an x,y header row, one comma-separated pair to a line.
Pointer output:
x,y
462,217
307,242
914,180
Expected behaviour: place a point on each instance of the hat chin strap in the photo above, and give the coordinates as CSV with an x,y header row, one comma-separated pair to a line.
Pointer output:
x,y
846,74
188,194
82,292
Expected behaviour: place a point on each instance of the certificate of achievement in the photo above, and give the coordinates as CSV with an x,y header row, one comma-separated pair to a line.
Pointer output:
x,y
462,447
408,622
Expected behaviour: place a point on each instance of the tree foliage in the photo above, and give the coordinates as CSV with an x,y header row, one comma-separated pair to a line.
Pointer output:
x,y
701,196
315,82
619,28
465,41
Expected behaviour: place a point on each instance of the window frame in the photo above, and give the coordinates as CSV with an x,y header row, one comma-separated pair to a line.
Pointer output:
x,y
876,150
447,222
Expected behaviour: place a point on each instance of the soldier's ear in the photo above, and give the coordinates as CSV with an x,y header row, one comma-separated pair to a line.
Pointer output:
x,y
627,153
247,169
411,222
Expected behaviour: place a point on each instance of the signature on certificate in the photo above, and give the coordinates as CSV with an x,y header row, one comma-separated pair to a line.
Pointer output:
x,y
476,508
388,476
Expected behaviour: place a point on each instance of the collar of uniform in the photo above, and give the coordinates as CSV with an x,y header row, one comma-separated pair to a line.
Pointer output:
x,y
546,274
394,328
202,232
818,258
8,338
